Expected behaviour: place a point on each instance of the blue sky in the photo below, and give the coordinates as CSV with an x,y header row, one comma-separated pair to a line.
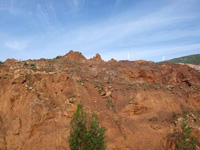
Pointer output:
x,y
147,29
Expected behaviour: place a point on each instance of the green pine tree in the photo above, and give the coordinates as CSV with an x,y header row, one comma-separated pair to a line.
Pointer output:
x,y
96,138
78,131
82,138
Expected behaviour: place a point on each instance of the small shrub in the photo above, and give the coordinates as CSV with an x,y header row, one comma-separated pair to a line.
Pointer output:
x,y
185,114
51,70
146,86
153,119
52,60
81,80
117,122
1,63
72,96
108,101
174,115
57,57
54,105
185,140
99,86
110,105
32,66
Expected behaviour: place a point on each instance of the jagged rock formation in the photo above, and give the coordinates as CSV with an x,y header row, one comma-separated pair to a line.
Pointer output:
x,y
135,101
76,56
96,58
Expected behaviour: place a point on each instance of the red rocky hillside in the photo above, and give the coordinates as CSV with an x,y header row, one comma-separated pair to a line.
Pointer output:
x,y
139,102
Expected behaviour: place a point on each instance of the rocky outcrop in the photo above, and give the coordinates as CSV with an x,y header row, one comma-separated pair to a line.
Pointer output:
x,y
96,58
197,67
10,62
74,56
112,60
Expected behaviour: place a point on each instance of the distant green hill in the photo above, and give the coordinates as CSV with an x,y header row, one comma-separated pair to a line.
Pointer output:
x,y
190,59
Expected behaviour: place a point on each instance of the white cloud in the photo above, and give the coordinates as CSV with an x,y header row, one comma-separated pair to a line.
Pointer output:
x,y
10,7
42,14
123,33
109,33
74,5
52,10
17,45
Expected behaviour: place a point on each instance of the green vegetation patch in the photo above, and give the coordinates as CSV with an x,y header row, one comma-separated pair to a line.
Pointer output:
x,y
110,105
191,59
184,139
153,119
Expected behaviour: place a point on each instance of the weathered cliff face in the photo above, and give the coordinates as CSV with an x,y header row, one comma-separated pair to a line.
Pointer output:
x,y
135,101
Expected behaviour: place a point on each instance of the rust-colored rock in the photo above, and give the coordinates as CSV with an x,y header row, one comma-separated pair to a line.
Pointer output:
x,y
96,58
75,56
10,62
112,61
197,67
108,94
16,125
